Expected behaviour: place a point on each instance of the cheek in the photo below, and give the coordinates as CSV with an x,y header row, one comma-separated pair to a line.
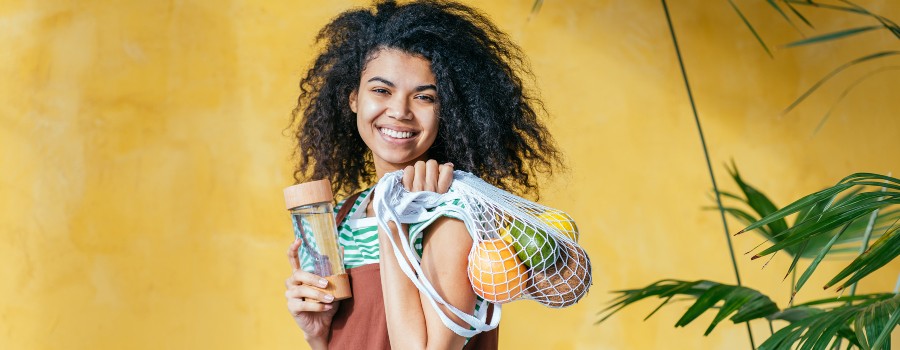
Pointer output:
x,y
368,110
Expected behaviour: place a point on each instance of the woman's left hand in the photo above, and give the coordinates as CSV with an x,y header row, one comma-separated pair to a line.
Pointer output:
x,y
428,176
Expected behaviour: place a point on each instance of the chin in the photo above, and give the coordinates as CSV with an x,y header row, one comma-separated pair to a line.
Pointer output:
x,y
399,159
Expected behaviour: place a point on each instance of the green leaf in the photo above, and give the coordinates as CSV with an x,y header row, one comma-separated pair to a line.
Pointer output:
x,y
883,251
824,212
828,6
834,72
861,299
815,263
829,220
795,313
752,30
784,15
807,201
883,338
798,14
741,303
833,36
847,91
758,201
813,328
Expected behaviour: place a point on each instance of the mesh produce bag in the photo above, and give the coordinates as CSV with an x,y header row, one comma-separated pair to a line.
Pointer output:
x,y
521,249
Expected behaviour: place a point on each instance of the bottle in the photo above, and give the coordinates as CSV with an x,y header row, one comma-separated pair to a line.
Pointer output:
x,y
312,212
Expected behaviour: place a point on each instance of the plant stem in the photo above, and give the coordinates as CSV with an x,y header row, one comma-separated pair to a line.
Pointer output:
x,y
712,176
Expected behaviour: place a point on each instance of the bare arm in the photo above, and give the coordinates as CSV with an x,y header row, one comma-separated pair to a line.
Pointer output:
x,y
311,308
411,320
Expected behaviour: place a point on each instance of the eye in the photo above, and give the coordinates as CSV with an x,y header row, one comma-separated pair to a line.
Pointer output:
x,y
381,91
427,98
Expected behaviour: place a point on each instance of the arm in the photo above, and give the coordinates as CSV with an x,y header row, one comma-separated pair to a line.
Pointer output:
x,y
411,320
311,309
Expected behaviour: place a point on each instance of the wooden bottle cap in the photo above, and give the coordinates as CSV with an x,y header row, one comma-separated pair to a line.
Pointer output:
x,y
308,193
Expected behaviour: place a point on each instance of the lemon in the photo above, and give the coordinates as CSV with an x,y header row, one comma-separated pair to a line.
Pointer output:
x,y
562,222
534,247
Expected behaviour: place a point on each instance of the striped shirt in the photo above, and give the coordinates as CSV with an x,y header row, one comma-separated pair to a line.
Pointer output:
x,y
358,236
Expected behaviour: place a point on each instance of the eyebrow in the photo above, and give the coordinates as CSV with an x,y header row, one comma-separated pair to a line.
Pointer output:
x,y
391,84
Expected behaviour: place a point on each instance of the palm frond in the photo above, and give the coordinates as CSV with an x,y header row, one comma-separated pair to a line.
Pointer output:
x,y
824,214
833,36
762,206
751,28
850,88
864,323
744,303
835,72
883,251
798,14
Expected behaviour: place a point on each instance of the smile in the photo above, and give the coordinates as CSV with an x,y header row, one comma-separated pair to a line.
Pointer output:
x,y
397,134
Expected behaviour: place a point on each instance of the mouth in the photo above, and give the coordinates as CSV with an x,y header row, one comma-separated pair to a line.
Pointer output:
x,y
397,134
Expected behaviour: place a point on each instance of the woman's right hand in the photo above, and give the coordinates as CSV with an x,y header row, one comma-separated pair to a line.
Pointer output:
x,y
311,308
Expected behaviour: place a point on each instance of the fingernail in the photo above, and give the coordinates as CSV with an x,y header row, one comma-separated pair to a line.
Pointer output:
x,y
450,164
328,307
323,283
329,297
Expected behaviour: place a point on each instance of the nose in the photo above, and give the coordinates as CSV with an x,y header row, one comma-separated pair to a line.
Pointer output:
x,y
398,108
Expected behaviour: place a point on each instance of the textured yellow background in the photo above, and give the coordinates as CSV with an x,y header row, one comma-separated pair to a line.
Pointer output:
x,y
143,159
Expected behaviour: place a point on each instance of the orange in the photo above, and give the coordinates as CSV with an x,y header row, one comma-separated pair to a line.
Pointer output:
x,y
496,272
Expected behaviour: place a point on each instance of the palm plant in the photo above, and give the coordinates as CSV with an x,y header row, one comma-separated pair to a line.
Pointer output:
x,y
838,220
790,11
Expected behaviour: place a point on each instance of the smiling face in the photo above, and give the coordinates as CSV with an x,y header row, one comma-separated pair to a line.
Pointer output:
x,y
396,109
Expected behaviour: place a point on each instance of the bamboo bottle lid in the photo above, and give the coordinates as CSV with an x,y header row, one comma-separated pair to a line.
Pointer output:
x,y
308,193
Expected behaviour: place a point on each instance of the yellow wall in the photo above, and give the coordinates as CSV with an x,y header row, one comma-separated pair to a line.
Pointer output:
x,y
143,159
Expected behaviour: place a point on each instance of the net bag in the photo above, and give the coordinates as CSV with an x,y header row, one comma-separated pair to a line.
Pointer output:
x,y
520,249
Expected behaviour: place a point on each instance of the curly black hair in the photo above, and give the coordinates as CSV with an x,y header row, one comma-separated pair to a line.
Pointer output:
x,y
489,123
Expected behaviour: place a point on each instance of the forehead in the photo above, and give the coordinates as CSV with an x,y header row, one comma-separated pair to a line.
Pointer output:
x,y
398,67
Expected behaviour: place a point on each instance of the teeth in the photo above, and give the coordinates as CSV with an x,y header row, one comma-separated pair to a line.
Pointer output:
x,y
396,134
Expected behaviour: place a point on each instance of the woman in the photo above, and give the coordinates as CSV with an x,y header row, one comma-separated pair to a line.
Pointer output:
x,y
424,87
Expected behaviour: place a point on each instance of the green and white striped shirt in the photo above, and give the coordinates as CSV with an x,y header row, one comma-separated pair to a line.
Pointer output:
x,y
358,235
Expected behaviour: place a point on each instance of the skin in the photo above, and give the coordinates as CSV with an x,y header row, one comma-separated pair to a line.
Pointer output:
x,y
397,92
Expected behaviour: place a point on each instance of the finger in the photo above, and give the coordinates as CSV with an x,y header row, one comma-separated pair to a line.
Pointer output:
x,y
308,293
292,254
408,174
445,178
303,277
419,177
297,306
431,175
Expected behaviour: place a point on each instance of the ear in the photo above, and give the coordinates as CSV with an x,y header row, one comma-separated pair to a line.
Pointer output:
x,y
353,95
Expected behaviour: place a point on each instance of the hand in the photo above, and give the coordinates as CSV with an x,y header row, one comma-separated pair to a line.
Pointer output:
x,y
428,176
311,308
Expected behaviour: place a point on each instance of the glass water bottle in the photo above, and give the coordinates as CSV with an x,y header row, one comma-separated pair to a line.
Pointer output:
x,y
312,212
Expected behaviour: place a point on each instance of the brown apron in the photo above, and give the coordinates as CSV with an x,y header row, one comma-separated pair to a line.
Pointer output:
x,y
360,322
